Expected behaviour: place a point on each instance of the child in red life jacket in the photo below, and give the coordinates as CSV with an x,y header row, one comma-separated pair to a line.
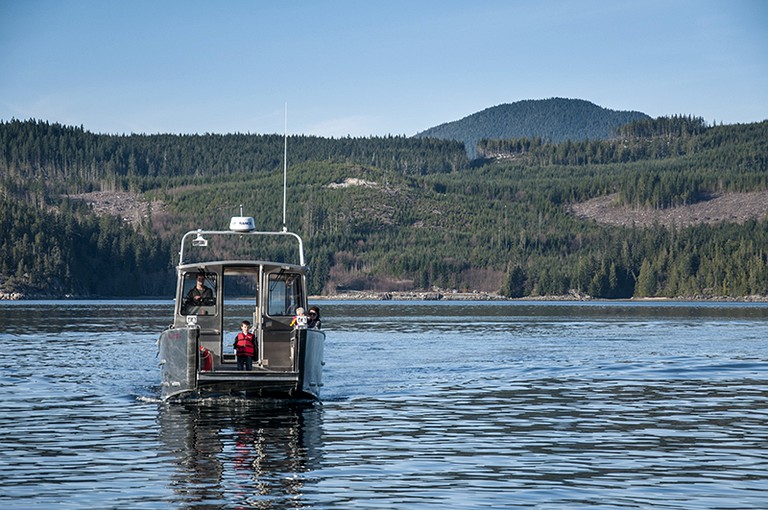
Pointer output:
x,y
245,347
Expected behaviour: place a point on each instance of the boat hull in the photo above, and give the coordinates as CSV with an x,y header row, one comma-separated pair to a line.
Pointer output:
x,y
184,376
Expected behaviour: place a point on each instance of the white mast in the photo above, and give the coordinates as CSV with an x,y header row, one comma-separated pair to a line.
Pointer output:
x,y
285,164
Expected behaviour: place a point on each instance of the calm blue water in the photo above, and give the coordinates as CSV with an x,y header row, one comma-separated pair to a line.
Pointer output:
x,y
426,405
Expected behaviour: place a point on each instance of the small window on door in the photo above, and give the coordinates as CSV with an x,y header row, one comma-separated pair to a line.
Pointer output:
x,y
199,294
285,294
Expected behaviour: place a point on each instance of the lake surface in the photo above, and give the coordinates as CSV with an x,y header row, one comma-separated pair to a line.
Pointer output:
x,y
425,405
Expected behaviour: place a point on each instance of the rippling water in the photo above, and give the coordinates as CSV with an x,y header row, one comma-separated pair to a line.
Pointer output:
x,y
426,405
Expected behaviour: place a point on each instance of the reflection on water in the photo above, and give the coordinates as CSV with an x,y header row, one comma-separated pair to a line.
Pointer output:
x,y
250,454
253,454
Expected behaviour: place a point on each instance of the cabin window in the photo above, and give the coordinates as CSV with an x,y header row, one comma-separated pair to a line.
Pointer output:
x,y
199,294
285,294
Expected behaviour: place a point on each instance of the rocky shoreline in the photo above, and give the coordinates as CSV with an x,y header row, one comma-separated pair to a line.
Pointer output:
x,y
11,296
435,296
411,296
487,296
20,296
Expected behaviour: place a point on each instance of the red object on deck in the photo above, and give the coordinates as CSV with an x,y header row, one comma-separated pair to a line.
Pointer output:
x,y
206,360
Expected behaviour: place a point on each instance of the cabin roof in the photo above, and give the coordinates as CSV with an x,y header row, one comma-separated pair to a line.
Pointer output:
x,y
217,265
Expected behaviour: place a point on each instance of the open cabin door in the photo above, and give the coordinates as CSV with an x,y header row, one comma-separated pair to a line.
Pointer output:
x,y
284,294
241,290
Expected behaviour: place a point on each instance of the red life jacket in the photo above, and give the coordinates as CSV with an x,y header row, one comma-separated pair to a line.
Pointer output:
x,y
245,345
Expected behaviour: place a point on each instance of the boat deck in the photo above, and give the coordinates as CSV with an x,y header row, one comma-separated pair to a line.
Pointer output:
x,y
257,383
248,375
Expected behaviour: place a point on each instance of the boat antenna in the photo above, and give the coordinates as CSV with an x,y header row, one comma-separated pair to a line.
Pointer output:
x,y
285,164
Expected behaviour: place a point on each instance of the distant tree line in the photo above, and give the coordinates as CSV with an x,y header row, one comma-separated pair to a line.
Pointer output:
x,y
419,215
725,260
685,160
73,252
84,161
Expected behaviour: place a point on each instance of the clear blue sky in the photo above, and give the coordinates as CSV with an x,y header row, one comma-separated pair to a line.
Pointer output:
x,y
363,67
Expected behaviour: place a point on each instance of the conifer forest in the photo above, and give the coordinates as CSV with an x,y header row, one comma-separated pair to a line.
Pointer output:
x,y
390,213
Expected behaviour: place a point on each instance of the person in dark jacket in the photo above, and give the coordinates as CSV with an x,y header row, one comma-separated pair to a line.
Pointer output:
x,y
200,294
314,318
245,347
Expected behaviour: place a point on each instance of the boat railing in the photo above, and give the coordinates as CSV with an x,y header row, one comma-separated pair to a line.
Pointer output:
x,y
197,238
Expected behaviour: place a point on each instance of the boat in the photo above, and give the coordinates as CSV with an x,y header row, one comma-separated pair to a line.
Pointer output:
x,y
195,352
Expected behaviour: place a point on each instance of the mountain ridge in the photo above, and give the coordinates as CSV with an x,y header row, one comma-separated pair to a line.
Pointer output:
x,y
554,120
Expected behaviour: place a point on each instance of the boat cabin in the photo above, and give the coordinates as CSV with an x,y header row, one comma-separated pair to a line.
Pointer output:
x,y
214,297
266,295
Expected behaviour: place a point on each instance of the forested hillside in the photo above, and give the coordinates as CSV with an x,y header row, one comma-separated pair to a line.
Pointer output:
x,y
390,213
553,120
